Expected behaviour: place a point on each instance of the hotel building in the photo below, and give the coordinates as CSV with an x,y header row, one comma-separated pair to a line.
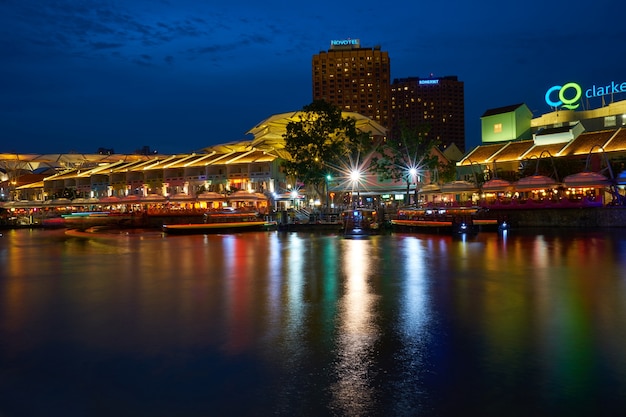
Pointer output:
x,y
435,103
354,78
357,79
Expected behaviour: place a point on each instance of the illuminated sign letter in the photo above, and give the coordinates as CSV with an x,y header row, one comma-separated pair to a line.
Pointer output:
x,y
564,100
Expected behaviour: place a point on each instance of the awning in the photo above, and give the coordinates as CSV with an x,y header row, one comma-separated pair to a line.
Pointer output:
x,y
59,202
131,199
459,187
246,196
430,189
534,182
22,204
153,198
110,200
497,185
211,196
586,179
181,197
84,201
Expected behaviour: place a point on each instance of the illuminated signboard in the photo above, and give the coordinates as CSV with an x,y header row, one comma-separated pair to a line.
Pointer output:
x,y
345,43
569,94
427,82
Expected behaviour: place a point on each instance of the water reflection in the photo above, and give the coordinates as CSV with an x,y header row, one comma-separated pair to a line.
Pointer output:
x,y
295,324
353,392
415,313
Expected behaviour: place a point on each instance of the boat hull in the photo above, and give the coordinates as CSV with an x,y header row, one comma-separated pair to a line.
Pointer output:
x,y
443,219
207,228
360,222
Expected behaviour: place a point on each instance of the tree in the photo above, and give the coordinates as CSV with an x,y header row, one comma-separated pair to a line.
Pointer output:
x,y
321,139
405,158
447,171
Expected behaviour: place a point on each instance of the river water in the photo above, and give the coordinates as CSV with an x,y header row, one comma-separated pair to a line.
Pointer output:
x,y
531,323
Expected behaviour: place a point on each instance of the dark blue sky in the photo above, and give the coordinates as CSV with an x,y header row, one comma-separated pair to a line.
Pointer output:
x,y
180,75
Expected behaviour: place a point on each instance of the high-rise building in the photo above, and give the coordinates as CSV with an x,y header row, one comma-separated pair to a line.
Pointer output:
x,y
435,103
355,79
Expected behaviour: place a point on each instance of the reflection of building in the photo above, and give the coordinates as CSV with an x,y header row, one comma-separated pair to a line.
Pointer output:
x,y
353,78
436,103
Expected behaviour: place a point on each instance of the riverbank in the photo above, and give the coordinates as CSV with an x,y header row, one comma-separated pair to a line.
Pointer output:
x,y
585,217
580,217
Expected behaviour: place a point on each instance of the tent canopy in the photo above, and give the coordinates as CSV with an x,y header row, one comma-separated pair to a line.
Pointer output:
x,y
586,179
535,182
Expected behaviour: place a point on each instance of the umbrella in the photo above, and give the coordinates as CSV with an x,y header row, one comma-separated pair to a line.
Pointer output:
x,y
586,179
534,182
497,185
459,187
211,196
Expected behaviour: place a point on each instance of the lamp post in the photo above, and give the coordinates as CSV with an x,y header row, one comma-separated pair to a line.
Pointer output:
x,y
412,173
328,178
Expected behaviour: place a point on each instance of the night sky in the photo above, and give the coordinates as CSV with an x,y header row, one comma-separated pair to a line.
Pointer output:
x,y
181,75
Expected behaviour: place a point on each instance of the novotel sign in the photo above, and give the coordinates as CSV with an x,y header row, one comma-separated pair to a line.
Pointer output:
x,y
345,42
569,94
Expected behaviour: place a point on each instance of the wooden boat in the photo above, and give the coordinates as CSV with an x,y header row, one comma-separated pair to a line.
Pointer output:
x,y
360,221
223,221
447,219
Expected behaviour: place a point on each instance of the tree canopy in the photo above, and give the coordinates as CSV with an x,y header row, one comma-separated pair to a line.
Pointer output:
x,y
411,151
320,140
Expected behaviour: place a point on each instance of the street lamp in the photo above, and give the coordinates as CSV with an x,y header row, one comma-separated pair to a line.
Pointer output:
x,y
411,175
355,177
294,196
328,178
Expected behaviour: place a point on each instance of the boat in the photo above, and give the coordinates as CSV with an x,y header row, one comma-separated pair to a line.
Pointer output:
x,y
360,221
458,220
86,219
223,221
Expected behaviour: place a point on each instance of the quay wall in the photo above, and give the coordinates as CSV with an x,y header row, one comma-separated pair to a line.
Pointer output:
x,y
587,217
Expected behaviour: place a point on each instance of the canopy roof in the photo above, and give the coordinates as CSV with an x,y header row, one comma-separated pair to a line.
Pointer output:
x,y
271,130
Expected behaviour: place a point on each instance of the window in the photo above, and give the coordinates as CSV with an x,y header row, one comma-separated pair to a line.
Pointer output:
x,y
610,121
497,128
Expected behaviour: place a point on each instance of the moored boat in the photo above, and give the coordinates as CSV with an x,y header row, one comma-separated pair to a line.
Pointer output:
x,y
223,221
86,219
360,221
443,219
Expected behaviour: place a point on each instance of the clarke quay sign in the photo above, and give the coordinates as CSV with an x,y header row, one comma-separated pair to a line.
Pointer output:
x,y
568,95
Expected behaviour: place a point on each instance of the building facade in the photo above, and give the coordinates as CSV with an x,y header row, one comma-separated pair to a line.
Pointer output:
x,y
436,104
355,79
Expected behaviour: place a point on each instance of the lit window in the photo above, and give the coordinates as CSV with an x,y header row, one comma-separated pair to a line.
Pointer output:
x,y
497,128
610,121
